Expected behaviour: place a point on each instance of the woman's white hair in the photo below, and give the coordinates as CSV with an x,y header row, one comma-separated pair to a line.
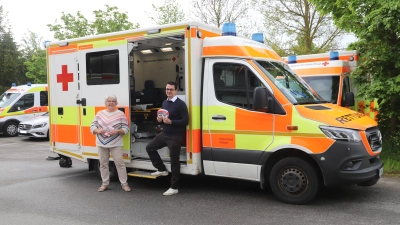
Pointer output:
x,y
113,97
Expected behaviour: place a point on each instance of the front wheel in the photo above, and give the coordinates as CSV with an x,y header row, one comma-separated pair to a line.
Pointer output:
x,y
10,129
294,181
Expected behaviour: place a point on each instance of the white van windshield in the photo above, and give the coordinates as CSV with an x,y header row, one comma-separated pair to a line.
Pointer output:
x,y
7,98
292,86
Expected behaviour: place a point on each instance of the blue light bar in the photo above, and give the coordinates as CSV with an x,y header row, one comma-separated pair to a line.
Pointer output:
x,y
258,37
334,55
13,85
292,59
228,29
29,84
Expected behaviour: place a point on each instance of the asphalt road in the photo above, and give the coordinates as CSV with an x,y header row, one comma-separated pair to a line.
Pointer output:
x,y
36,191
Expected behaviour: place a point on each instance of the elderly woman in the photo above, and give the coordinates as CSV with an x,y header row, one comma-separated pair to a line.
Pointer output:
x,y
109,125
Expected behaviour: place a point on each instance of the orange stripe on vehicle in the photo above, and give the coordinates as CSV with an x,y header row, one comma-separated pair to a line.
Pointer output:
x,y
206,33
83,47
66,133
346,58
116,39
223,141
31,110
316,145
63,49
206,139
311,71
254,121
196,141
240,51
88,139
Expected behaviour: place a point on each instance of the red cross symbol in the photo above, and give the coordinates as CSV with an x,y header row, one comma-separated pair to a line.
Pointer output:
x,y
325,63
65,77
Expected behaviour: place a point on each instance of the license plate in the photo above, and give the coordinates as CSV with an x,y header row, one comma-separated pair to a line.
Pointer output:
x,y
380,172
22,131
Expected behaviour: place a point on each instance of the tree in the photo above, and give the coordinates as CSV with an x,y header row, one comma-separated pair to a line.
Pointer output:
x,y
78,26
375,23
11,63
35,58
217,12
296,27
169,12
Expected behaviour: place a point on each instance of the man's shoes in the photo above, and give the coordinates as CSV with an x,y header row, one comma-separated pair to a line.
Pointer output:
x,y
171,192
160,173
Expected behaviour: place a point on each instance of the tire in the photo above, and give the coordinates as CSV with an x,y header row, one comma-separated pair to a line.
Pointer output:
x,y
65,162
111,168
10,129
294,181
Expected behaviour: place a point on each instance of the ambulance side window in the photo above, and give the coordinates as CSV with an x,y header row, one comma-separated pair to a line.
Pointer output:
x,y
43,98
234,84
25,102
102,67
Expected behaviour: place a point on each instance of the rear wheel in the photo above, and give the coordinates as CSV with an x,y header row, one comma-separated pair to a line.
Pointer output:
x,y
294,181
111,168
10,129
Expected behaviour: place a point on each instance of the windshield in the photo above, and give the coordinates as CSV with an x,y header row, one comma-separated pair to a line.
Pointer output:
x,y
326,86
293,87
7,98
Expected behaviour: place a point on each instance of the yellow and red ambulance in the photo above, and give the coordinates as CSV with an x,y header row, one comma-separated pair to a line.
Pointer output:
x,y
20,103
244,123
329,75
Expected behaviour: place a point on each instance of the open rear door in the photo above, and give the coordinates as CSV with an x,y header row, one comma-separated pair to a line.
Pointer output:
x,y
103,71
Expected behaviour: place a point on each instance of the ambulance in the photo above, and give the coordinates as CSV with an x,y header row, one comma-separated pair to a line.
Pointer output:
x,y
20,103
244,124
329,75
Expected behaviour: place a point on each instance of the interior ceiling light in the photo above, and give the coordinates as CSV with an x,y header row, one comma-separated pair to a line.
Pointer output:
x,y
166,44
148,51
167,49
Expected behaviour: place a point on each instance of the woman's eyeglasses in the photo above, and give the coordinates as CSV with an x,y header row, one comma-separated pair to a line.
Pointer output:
x,y
111,101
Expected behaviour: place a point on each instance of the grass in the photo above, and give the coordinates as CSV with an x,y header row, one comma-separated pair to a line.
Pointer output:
x,y
390,156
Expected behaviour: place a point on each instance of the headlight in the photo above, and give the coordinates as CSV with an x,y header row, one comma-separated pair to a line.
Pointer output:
x,y
39,125
341,134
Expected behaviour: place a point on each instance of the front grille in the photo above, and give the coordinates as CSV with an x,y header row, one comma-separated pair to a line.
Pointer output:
x,y
374,138
25,126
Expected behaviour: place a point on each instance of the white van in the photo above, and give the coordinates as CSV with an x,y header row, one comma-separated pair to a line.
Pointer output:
x,y
20,103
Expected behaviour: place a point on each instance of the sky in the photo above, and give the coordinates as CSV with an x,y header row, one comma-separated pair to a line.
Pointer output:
x,y
34,15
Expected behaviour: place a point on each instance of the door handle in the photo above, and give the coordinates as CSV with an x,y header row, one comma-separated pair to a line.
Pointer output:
x,y
218,117
34,111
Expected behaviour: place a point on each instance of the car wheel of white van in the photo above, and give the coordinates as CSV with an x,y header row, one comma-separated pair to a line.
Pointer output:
x,y
111,168
10,129
294,181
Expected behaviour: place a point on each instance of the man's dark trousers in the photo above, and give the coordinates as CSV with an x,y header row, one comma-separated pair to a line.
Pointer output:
x,y
174,144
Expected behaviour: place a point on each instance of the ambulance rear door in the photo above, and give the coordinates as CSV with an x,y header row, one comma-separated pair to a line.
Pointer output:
x,y
103,70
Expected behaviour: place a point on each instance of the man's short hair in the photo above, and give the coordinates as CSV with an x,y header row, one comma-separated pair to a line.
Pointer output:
x,y
173,83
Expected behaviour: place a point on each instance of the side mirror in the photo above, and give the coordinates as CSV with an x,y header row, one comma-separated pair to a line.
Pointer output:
x,y
260,99
348,99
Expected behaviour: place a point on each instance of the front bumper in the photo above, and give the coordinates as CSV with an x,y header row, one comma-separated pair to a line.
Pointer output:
x,y
347,163
36,132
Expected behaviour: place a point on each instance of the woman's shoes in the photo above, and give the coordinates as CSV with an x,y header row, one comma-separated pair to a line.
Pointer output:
x,y
102,188
126,188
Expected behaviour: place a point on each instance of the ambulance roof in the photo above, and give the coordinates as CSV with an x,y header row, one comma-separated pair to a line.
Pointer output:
x,y
22,88
142,31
